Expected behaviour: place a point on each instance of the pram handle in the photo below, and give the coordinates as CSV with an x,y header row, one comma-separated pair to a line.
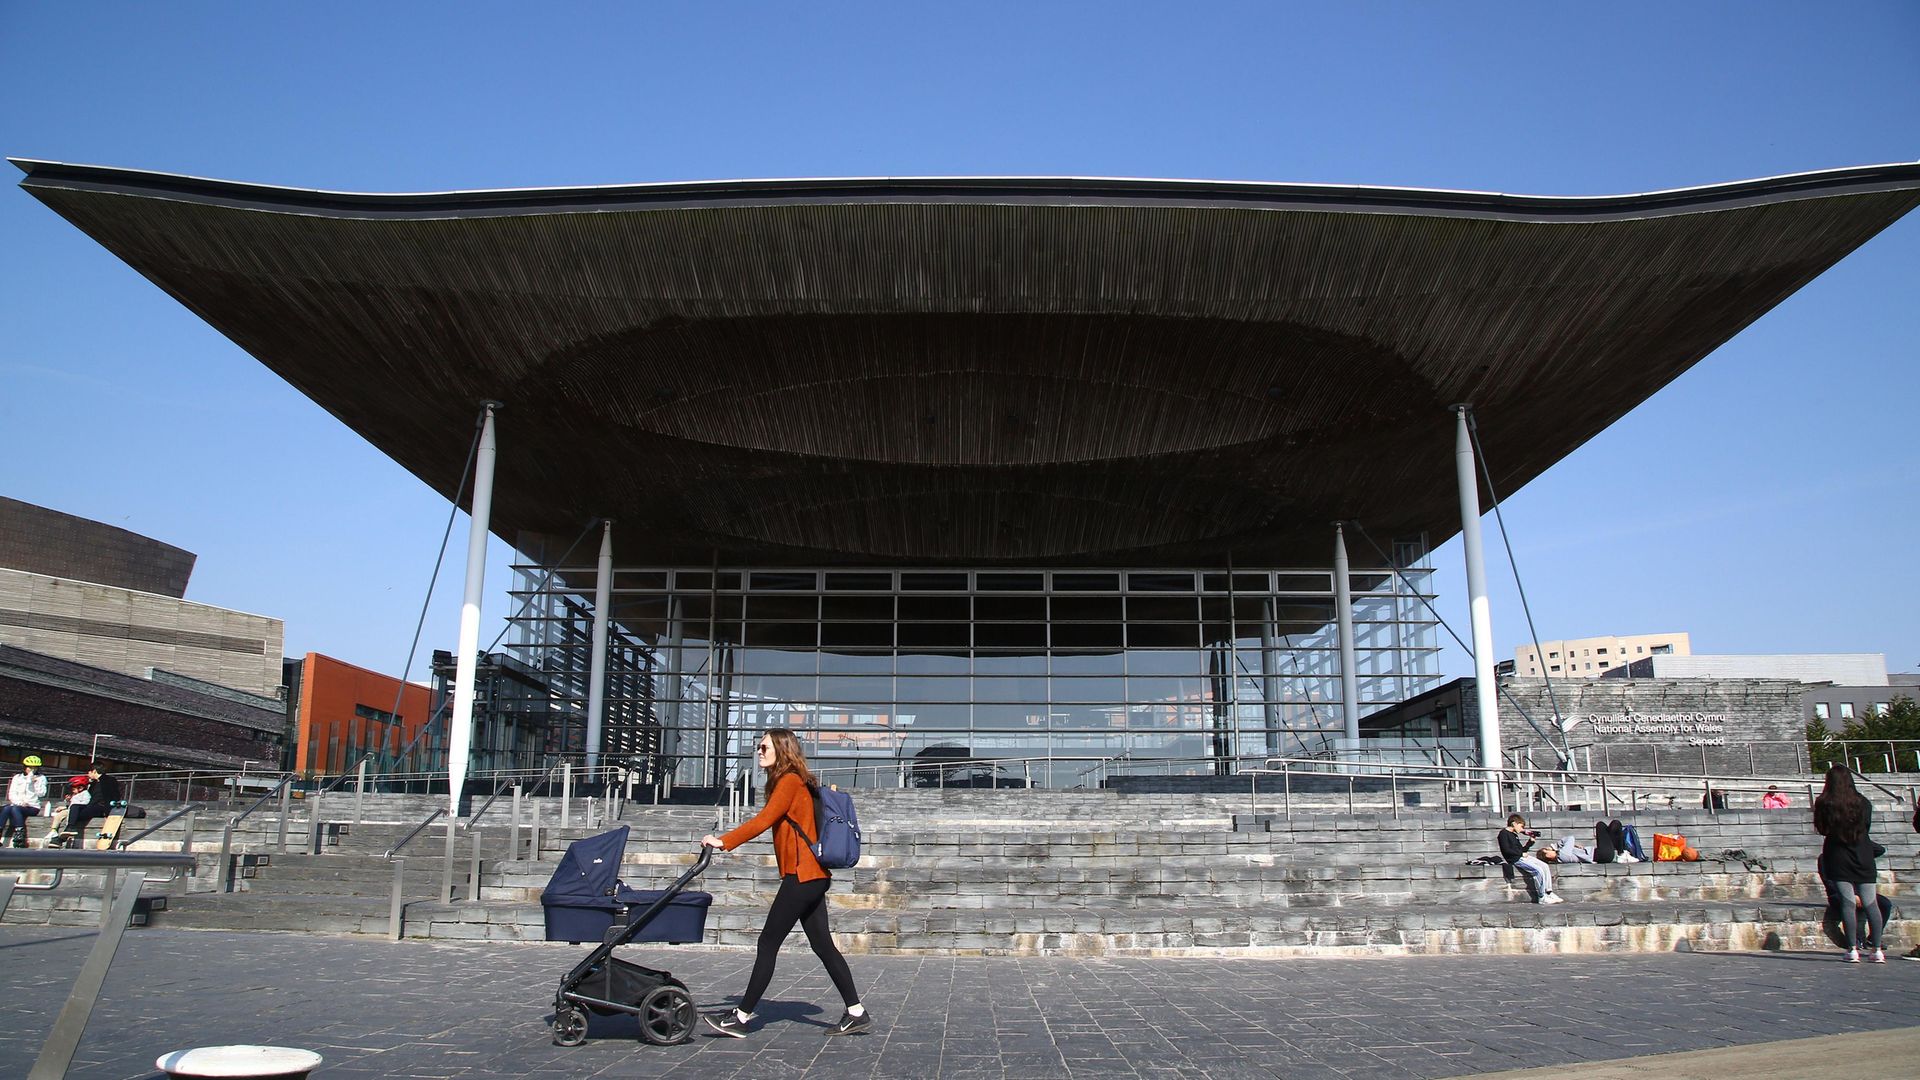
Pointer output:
x,y
637,923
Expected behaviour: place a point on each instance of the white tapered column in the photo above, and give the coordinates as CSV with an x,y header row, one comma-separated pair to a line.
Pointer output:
x,y
466,661
597,668
1343,612
1466,473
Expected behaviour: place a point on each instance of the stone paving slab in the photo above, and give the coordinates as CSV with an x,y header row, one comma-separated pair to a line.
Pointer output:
x,y
447,1010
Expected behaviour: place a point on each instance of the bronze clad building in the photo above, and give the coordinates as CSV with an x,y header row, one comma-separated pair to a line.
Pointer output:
x,y
1027,466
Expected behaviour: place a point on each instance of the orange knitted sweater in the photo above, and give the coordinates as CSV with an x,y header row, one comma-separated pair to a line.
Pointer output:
x,y
790,851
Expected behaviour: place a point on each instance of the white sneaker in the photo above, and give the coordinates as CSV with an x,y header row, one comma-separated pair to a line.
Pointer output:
x,y
1853,956
1623,857
1552,898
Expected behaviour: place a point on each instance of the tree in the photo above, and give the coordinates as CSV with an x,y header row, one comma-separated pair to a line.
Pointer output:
x,y
1898,724
1821,750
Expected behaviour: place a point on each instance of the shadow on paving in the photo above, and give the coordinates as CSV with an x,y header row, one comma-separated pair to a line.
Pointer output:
x,y
444,1010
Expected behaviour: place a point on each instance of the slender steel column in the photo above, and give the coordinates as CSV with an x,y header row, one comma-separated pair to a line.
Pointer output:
x,y
597,668
1343,611
467,660
1468,476
1269,677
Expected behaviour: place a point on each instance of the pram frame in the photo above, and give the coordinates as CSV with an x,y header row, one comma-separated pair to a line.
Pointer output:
x,y
569,1018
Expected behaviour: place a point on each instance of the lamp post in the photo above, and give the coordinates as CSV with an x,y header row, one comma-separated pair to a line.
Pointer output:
x,y
94,754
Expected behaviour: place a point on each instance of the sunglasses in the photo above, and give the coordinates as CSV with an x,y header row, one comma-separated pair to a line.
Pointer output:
x,y
765,746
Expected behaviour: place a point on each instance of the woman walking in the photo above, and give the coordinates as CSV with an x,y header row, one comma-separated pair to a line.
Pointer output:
x,y
803,885
1845,818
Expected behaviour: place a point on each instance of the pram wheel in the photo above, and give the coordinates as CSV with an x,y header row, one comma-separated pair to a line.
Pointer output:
x,y
667,1016
569,1025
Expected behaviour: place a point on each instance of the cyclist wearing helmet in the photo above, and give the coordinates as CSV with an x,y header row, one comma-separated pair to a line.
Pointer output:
x,y
25,795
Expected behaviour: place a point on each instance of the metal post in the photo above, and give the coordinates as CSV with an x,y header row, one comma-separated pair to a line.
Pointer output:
x,y
1393,778
1286,782
533,831
223,873
513,830
286,807
106,897
57,1052
473,871
1349,793
597,663
467,660
360,793
446,867
186,838
566,794
589,821
1468,478
397,906
1343,612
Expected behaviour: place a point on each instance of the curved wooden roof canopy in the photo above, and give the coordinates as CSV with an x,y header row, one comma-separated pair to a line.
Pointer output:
x,y
977,371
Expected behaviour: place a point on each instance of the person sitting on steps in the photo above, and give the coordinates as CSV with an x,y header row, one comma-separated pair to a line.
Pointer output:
x,y
25,795
1514,841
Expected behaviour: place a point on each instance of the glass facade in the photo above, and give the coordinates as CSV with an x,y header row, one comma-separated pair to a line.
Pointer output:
x,y
1059,675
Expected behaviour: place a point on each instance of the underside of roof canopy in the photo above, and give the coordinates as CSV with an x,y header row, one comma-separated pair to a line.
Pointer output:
x,y
976,371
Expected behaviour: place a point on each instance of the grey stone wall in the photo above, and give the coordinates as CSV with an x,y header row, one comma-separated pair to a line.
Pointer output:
x,y
1716,726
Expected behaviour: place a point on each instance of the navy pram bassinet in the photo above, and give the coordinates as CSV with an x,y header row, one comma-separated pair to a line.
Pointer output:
x,y
586,898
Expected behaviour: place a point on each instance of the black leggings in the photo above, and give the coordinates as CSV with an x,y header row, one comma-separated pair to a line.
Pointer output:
x,y
806,904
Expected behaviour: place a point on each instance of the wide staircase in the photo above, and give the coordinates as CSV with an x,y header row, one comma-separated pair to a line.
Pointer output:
x,y
1031,872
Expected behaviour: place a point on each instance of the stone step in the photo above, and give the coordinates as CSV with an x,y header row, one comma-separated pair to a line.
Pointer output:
x,y
1123,930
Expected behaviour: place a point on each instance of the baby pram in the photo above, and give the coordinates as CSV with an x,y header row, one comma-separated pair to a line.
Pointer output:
x,y
587,901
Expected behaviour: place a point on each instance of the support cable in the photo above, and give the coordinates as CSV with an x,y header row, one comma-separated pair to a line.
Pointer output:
x,y
1553,700
1464,647
433,580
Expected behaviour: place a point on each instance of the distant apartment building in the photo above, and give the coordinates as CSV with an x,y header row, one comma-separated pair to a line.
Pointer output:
x,y
1588,658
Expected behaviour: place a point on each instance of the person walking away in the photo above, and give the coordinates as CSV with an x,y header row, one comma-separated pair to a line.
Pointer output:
x,y
26,793
1514,841
802,896
1848,860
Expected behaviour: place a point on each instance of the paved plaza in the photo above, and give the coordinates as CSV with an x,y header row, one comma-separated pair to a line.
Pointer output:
x,y
418,1009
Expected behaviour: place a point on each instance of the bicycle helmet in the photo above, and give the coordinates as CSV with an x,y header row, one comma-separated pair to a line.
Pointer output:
x,y
31,761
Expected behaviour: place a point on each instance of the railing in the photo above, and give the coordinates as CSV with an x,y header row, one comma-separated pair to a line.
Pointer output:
x,y
56,1053
223,881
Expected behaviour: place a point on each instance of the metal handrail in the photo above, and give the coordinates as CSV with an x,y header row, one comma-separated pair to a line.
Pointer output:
x,y
57,1052
417,830
261,801
156,826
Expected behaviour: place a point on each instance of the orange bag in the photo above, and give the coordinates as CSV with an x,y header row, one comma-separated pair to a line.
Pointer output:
x,y
1669,847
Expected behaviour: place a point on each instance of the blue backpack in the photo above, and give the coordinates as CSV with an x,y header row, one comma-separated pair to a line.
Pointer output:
x,y
835,826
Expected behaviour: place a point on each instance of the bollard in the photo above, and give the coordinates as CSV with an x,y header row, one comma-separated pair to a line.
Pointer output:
x,y
589,812
533,831
566,793
186,837
360,793
1394,779
1286,781
286,797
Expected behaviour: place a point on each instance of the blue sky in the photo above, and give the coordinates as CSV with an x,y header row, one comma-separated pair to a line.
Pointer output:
x,y
1767,501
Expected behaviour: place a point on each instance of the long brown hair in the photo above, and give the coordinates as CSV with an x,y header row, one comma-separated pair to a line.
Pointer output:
x,y
1840,811
787,758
